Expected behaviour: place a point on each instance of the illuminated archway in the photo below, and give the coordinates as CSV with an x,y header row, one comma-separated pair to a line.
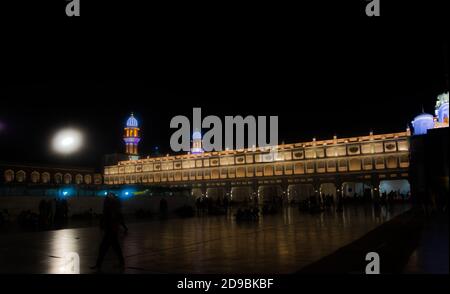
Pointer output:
x,y
400,187
45,177
9,175
21,176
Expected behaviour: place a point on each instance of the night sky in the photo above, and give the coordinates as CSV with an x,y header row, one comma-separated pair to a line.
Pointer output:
x,y
342,78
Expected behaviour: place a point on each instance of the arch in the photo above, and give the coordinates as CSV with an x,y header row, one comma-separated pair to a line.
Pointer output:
x,y
358,190
215,174
240,172
67,179
331,166
35,176
321,166
404,161
215,193
354,164
300,192
9,175
268,170
58,178
241,194
391,162
196,193
328,189
78,179
342,165
400,187
21,176
269,193
328,194
87,179
45,177
367,163
299,168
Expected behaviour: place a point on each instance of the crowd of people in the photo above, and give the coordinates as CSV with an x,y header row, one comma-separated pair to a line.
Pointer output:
x,y
208,206
394,196
54,211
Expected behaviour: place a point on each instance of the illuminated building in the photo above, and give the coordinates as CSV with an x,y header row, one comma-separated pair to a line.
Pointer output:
x,y
424,121
38,175
131,137
315,165
364,164
441,110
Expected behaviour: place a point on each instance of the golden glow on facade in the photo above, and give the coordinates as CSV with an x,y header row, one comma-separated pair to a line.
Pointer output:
x,y
364,154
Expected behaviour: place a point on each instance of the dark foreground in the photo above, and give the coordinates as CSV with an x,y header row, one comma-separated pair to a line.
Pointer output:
x,y
282,243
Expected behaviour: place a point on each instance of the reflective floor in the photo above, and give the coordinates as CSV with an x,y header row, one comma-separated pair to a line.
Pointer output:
x,y
281,243
432,254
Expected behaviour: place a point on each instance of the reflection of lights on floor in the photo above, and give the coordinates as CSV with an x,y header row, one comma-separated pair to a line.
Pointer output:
x,y
64,248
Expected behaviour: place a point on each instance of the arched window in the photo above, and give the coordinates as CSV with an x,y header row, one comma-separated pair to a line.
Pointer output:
x,y
67,179
87,179
354,164
35,177
45,177
240,172
21,176
9,175
391,162
58,178
268,170
79,179
299,168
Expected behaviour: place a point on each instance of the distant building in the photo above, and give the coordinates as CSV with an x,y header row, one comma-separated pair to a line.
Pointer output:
x,y
429,171
33,175
425,121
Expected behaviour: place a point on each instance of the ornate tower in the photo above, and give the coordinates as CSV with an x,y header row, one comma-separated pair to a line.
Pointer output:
x,y
196,143
131,136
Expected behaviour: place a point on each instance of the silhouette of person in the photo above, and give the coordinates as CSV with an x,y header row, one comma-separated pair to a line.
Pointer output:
x,y
111,220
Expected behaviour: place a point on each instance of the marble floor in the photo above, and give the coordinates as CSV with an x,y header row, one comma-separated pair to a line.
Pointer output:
x,y
432,254
281,243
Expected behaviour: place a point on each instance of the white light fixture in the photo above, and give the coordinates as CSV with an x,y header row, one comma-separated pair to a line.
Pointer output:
x,y
67,141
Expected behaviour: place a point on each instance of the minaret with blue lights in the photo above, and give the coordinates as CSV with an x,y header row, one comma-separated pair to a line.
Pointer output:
x,y
196,143
131,136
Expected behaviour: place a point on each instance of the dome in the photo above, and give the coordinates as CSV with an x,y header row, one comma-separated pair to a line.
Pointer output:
x,y
196,135
422,123
442,108
132,121
443,113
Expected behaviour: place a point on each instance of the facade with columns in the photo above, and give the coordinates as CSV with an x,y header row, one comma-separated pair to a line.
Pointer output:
x,y
364,159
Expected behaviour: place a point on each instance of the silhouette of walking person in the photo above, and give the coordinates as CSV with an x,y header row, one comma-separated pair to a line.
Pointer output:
x,y
111,220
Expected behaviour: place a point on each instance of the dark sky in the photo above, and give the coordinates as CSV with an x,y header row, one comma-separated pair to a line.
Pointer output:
x,y
321,77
